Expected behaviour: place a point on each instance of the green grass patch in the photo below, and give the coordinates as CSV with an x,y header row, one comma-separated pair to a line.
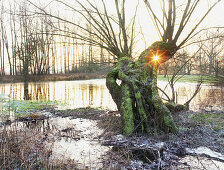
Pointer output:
x,y
216,120
23,107
191,78
26,105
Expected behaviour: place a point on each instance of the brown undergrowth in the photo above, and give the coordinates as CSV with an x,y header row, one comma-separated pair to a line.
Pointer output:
x,y
22,144
196,129
51,77
22,147
23,141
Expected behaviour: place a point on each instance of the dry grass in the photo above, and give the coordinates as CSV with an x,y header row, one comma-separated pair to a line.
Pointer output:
x,y
24,148
111,123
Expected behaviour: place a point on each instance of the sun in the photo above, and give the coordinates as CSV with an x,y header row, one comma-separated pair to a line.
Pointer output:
x,y
156,58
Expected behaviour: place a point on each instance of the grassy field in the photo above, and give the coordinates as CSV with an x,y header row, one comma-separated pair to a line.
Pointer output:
x,y
191,78
17,108
215,120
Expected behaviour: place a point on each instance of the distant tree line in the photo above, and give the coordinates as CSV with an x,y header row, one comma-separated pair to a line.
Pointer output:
x,y
30,44
35,44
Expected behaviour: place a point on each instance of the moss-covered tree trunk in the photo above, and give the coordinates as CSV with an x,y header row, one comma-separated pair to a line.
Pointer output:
x,y
137,98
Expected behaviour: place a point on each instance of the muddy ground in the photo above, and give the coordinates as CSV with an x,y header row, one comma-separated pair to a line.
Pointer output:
x,y
94,137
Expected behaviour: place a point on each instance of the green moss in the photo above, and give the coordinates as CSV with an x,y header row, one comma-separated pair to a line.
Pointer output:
x,y
139,92
127,111
113,87
111,80
161,45
122,76
142,58
170,126
166,121
142,113
175,107
125,58
171,106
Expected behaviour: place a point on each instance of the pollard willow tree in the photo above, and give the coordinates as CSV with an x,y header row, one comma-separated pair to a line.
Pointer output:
x,y
136,97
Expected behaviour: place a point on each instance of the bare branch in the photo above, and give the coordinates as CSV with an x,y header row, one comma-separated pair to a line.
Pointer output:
x,y
196,26
156,22
181,27
102,32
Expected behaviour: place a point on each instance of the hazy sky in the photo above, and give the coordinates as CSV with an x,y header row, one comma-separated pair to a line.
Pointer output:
x,y
215,18
143,21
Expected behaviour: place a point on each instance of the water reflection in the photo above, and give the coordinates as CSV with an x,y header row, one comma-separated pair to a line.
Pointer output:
x,y
64,139
77,140
94,93
26,91
211,97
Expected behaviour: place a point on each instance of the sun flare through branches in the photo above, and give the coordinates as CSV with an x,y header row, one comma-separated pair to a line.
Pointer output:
x,y
156,58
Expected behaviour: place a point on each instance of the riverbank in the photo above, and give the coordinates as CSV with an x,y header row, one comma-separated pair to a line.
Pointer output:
x,y
194,79
98,75
52,77
88,138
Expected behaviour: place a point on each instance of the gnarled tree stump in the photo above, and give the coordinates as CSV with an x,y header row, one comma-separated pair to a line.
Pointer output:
x,y
137,96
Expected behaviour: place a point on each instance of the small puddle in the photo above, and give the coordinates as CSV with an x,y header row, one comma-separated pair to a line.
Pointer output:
x,y
204,159
76,139
206,151
200,163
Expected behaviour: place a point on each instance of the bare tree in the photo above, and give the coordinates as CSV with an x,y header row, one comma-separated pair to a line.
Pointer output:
x,y
137,96
2,42
212,49
14,38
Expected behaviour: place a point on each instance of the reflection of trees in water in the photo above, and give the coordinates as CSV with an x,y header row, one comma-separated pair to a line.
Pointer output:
x,y
82,93
66,93
3,90
38,92
211,98
26,92
208,96
91,94
53,93
96,95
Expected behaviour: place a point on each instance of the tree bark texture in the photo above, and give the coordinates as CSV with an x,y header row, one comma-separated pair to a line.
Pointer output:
x,y
137,97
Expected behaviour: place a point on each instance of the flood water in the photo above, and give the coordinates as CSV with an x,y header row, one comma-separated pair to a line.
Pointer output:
x,y
94,93
78,139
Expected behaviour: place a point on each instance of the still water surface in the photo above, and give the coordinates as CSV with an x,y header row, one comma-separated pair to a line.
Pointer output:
x,y
93,93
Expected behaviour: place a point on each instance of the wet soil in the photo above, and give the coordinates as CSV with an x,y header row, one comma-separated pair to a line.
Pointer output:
x,y
173,151
101,130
